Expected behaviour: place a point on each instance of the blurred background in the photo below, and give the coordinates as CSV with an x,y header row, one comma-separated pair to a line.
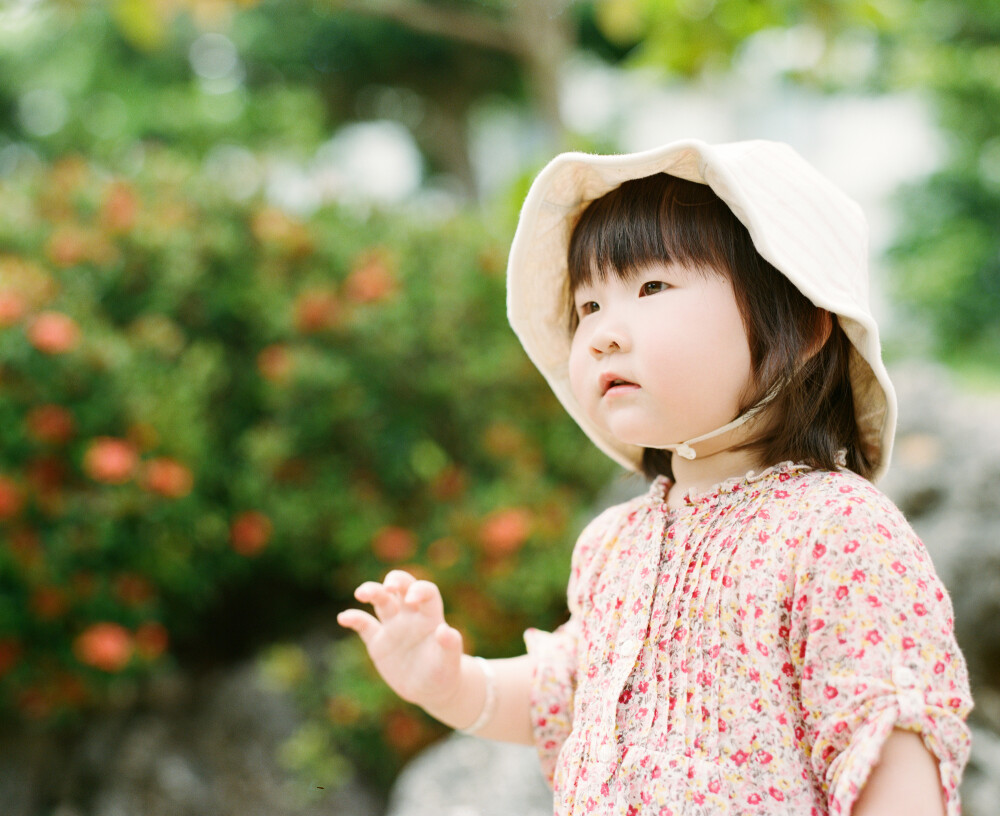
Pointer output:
x,y
253,348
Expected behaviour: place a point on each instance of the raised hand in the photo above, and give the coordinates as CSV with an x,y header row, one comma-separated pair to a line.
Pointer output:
x,y
417,653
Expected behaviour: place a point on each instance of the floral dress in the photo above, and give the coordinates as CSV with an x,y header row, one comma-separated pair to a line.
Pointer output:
x,y
748,653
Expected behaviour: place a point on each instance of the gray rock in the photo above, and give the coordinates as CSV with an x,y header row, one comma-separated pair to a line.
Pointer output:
x,y
198,748
466,776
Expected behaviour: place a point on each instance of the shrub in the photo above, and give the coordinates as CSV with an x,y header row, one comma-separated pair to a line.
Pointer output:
x,y
216,419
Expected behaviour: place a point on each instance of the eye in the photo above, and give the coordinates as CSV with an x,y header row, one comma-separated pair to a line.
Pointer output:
x,y
588,307
653,288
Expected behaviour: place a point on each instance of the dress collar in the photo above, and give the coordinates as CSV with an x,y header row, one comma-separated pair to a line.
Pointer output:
x,y
734,485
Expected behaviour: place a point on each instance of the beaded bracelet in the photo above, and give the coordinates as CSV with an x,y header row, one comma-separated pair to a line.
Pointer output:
x,y
490,704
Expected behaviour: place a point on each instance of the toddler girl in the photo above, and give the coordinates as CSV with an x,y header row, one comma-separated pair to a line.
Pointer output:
x,y
761,631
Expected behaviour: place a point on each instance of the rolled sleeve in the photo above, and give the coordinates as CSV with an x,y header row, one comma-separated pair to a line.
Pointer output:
x,y
874,647
553,688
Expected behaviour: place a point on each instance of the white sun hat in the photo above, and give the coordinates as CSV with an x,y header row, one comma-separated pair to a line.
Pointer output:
x,y
799,221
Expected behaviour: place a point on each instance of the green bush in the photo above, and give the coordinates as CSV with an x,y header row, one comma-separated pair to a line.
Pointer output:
x,y
217,419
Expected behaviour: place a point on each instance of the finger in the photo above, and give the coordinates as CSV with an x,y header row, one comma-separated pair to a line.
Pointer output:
x,y
364,624
386,603
398,581
448,638
425,597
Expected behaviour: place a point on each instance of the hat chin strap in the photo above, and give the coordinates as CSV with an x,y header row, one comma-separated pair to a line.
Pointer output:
x,y
725,437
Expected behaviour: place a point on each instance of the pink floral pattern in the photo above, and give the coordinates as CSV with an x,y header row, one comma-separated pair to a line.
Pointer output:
x,y
748,653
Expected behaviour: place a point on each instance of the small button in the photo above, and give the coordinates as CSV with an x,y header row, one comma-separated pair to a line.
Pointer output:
x,y
903,677
606,753
630,645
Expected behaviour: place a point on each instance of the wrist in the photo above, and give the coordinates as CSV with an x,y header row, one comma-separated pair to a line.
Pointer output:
x,y
489,708
463,706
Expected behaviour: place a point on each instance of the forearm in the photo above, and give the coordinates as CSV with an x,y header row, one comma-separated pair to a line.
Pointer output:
x,y
511,721
905,782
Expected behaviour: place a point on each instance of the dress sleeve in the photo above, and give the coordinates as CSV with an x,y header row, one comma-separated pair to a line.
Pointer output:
x,y
556,655
873,647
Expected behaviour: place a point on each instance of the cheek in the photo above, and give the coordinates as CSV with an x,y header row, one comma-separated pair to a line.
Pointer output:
x,y
577,368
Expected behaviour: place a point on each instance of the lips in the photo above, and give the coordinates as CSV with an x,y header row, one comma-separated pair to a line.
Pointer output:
x,y
611,381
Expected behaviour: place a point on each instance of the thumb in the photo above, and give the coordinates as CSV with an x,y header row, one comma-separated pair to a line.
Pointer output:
x,y
364,624
448,638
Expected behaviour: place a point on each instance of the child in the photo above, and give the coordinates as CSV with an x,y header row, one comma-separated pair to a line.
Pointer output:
x,y
761,631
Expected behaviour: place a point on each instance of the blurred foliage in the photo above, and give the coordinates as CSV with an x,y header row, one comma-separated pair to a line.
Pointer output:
x,y
216,418
947,260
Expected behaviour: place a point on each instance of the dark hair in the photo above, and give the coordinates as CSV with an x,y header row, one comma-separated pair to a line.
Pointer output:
x,y
666,219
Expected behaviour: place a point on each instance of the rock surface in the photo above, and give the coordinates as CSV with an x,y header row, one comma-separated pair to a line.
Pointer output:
x,y
190,748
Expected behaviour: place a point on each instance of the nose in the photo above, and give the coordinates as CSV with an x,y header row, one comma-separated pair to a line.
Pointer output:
x,y
610,336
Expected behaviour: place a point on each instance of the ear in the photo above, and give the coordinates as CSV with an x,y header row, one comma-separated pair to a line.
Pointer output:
x,y
821,329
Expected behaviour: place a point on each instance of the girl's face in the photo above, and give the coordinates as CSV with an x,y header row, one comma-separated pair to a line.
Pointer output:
x,y
661,357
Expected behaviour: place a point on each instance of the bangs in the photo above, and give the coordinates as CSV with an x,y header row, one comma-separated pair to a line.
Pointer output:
x,y
657,219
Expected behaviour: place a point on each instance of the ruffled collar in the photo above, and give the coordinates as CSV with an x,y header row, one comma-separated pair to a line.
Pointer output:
x,y
734,485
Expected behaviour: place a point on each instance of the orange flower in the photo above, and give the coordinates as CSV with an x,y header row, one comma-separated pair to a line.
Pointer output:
x,y
316,310
119,208
26,547
151,640
11,498
394,544
503,532
275,363
105,646
48,603
50,423
10,654
250,532
272,226
404,731
68,246
371,280
54,333
12,308
110,460
168,477
133,589
449,484
46,474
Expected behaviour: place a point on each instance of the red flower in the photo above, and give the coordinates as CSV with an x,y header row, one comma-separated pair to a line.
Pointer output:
x,y
404,732
503,532
316,310
133,589
52,424
250,532
168,477
371,280
151,640
11,498
275,363
394,544
48,603
105,646
10,653
54,333
110,460
120,208
12,308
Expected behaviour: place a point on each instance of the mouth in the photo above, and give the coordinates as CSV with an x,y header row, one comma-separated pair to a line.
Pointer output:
x,y
612,382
